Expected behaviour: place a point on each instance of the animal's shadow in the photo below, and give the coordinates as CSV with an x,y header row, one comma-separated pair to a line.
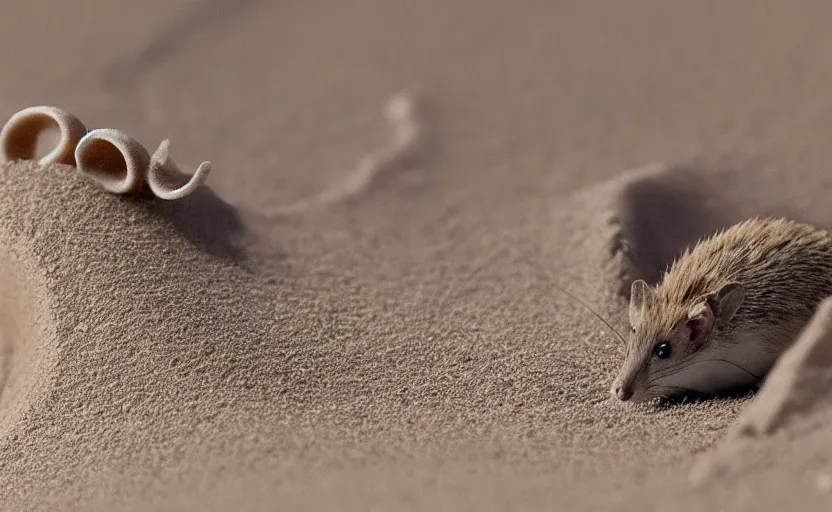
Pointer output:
x,y
691,396
665,212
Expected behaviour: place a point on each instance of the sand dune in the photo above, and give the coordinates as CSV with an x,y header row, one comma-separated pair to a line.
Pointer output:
x,y
163,361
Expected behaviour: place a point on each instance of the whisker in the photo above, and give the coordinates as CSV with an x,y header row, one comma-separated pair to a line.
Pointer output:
x,y
654,385
657,388
666,372
555,285
599,317
733,364
679,368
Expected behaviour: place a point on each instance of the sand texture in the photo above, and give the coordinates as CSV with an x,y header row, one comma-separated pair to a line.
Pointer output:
x,y
360,308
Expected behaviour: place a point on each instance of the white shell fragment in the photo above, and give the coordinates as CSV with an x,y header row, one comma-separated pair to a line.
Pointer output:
x,y
19,137
165,178
111,158
114,159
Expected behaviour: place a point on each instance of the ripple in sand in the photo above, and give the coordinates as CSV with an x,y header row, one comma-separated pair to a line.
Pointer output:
x,y
405,113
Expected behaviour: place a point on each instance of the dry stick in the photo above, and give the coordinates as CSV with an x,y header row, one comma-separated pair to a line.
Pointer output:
x,y
405,116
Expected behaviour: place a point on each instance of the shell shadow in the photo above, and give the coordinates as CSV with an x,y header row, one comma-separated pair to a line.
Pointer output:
x,y
207,221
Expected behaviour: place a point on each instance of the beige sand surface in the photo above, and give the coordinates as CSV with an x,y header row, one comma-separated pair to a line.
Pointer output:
x,y
397,341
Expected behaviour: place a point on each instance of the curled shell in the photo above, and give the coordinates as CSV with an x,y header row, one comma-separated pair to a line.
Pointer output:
x,y
19,137
110,157
166,180
113,159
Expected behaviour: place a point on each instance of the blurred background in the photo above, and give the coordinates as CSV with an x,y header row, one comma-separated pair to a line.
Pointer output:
x,y
525,95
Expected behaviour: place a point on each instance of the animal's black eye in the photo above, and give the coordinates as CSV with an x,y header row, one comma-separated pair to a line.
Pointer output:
x,y
662,350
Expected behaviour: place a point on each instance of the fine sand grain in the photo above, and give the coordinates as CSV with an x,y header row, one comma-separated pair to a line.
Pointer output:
x,y
360,308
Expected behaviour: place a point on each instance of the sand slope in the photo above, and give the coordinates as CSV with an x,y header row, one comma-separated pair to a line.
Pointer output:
x,y
167,362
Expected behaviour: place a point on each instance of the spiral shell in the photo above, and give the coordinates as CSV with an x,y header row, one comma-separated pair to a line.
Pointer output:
x,y
19,137
165,179
111,158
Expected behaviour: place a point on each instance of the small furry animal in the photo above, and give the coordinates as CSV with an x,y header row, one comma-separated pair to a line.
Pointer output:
x,y
724,311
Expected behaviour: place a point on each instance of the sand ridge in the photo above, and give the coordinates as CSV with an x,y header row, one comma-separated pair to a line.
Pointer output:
x,y
153,348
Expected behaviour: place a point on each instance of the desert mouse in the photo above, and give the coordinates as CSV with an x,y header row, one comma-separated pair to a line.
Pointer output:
x,y
725,310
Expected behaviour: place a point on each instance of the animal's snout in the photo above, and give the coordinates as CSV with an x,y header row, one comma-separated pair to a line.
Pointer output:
x,y
623,393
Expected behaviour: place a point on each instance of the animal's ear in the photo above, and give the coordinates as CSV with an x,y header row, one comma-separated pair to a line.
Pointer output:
x,y
701,320
726,301
639,292
716,310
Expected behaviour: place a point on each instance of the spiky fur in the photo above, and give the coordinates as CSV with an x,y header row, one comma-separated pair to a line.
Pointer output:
x,y
784,265
785,268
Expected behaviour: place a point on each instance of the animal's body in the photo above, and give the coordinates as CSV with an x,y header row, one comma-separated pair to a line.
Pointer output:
x,y
725,310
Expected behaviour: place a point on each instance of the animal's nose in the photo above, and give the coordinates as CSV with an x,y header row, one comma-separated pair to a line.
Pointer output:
x,y
623,393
